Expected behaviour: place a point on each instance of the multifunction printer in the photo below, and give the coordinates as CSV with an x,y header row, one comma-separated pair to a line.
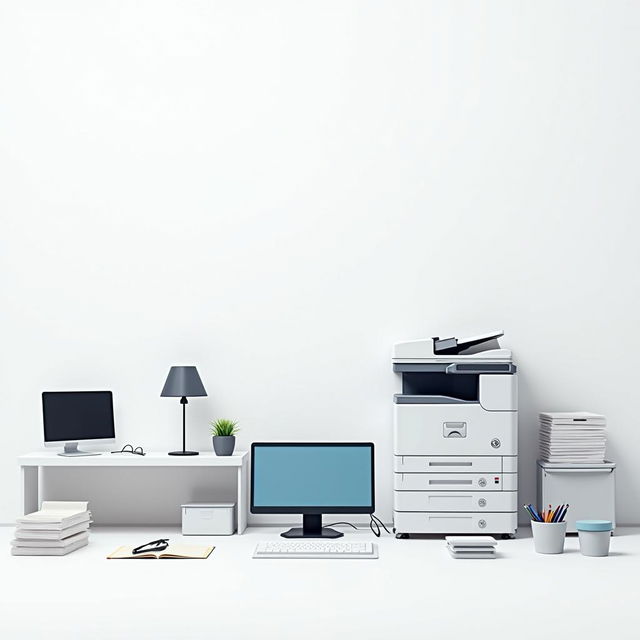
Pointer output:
x,y
455,437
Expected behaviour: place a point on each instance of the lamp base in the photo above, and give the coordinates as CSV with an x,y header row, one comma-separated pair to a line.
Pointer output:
x,y
184,453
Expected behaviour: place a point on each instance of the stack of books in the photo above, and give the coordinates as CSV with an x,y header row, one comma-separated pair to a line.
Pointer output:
x,y
56,530
573,438
471,546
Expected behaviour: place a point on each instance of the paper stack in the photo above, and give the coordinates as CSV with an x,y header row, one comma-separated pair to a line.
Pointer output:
x,y
572,438
471,546
56,530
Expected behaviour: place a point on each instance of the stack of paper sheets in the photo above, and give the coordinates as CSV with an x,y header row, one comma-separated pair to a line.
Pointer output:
x,y
471,546
572,438
56,530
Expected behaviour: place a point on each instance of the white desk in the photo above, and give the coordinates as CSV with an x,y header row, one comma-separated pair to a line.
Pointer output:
x,y
415,591
31,463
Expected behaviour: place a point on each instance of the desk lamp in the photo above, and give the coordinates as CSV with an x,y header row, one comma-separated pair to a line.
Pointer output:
x,y
183,383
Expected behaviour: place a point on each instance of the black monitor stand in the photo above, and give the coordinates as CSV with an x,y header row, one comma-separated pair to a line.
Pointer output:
x,y
312,528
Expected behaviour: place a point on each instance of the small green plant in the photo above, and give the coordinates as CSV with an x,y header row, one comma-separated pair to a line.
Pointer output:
x,y
224,427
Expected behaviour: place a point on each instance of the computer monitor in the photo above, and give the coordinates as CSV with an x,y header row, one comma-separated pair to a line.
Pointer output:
x,y
312,478
77,416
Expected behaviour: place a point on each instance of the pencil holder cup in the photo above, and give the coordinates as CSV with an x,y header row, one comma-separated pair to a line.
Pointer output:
x,y
595,536
548,537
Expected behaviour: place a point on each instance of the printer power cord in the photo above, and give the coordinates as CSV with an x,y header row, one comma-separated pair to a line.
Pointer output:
x,y
374,524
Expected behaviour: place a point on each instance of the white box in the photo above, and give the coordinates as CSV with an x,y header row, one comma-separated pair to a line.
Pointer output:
x,y
589,489
209,519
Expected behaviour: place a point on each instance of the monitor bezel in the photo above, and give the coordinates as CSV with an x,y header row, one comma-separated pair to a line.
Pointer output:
x,y
56,443
321,509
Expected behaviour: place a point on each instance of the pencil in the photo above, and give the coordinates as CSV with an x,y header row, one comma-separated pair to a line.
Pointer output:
x,y
564,512
535,513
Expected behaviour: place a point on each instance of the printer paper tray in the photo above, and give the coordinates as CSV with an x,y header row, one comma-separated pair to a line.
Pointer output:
x,y
455,464
455,481
452,523
464,501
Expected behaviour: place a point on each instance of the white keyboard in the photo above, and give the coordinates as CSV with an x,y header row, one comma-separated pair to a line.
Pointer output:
x,y
317,549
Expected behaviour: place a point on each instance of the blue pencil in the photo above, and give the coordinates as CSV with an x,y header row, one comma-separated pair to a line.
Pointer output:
x,y
526,506
535,513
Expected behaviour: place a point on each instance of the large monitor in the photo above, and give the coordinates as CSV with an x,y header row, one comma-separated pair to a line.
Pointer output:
x,y
312,478
77,416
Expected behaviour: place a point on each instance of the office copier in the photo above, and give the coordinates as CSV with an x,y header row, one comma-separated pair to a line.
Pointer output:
x,y
455,437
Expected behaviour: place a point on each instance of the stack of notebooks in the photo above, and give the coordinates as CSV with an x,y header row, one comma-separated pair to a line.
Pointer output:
x,y
572,438
471,546
56,530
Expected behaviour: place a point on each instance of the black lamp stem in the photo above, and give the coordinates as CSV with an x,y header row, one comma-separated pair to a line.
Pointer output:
x,y
184,402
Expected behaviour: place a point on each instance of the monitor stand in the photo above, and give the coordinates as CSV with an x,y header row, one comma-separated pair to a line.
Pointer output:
x,y
71,449
312,528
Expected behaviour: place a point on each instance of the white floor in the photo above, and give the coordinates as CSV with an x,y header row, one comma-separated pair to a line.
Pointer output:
x,y
415,590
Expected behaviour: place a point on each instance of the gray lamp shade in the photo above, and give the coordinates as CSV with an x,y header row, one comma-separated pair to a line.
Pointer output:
x,y
183,382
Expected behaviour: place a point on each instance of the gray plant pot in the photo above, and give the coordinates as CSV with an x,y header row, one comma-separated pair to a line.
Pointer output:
x,y
224,445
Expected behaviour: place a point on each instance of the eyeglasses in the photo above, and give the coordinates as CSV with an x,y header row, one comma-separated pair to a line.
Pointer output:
x,y
137,451
155,545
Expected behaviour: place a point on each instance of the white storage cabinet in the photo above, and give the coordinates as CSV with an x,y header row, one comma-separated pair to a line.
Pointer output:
x,y
588,489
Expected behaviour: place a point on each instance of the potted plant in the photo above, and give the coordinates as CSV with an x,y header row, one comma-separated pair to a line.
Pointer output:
x,y
224,436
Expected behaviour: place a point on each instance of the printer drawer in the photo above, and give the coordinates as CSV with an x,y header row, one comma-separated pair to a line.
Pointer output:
x,y
454,430
455,481
500,501
451,523
449,464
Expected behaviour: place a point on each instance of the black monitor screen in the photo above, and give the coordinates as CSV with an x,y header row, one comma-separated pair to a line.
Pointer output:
x,y
312,478
70,416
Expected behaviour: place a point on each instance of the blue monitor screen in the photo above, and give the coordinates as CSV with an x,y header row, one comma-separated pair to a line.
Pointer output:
x,y
312,476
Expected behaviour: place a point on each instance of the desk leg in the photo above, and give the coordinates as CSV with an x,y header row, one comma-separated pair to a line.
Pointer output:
x,y
243,492
29,489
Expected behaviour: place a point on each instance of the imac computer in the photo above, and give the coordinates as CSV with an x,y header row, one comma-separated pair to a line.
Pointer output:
x,y
311,479
73,416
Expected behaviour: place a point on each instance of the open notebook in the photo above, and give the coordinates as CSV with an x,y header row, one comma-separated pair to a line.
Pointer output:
x,y
172,552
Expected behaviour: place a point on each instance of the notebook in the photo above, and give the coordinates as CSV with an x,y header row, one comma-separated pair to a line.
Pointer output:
x,y
56,515
460,542
477,555
172,552
54,544
50,534
48,551
471,546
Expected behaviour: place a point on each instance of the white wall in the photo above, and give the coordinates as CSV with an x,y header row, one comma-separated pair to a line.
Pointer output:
x,y
278,191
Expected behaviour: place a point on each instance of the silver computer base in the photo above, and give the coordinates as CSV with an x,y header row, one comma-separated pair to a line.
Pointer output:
x,y
71,449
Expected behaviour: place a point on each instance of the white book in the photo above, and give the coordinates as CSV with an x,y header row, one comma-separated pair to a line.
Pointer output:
x,y
472,554
48,551
571,416
53,544
50,534
471,541
57,512
34,525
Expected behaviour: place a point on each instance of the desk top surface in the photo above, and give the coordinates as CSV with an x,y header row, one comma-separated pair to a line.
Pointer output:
x,y
406,591
150,459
